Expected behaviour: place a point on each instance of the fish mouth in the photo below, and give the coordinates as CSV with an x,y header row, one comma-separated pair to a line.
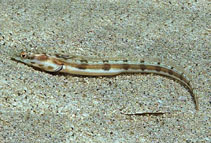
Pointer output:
x,y
24,61
20,60
17,59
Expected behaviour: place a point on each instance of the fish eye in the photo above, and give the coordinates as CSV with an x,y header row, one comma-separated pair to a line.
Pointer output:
x,y
23,55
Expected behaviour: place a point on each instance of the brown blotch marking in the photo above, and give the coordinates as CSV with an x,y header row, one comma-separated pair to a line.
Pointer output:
x,y
31,57
82,66
158,69
83,61
40,65
33,63
58,56
106,67
50,68
125,61
56,61
125,66
42,57
142,67
165,70
170,72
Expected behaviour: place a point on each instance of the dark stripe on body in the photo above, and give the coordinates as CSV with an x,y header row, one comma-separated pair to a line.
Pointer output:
x,y
106,67
82,66
142,67
125,66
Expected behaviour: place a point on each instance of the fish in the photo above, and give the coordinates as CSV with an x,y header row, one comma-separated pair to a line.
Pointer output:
x,y
82,66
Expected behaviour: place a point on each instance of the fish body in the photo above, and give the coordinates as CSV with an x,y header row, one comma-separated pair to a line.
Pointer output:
x,y
103,67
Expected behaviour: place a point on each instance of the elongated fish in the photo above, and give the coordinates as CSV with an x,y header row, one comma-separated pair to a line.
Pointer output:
x,y
103,67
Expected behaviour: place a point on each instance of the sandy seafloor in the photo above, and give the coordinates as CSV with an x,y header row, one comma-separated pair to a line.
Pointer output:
x,y
40,107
